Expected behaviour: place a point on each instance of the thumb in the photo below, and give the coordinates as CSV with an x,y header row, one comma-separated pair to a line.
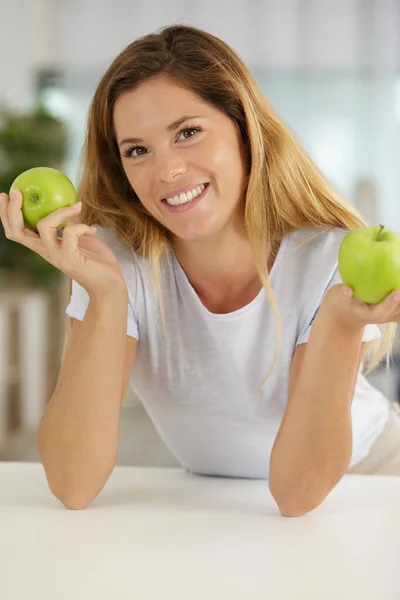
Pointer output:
x,y
347,291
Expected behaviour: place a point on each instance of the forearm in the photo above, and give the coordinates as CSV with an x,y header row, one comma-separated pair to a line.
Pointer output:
x,y
78,433
314,444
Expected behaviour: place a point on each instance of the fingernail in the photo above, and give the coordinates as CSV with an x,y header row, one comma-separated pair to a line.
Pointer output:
x,y
93,228
347,291
13,194
77,206
396,296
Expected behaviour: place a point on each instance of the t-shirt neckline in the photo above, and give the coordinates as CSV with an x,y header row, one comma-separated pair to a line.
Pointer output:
x,y
183,278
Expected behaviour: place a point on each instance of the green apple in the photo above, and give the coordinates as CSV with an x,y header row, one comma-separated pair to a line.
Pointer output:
x,y
43,190
369,262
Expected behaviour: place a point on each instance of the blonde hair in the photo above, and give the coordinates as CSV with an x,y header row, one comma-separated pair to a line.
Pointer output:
x,y
284,189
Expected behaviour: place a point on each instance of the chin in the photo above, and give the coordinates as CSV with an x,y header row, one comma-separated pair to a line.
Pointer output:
x,y
192,237
197,234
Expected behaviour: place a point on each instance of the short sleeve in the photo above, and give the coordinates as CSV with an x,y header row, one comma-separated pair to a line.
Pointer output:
x,y
79,302
371,332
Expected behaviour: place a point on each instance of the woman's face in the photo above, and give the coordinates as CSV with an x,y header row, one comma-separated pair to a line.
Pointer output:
x,y
182,157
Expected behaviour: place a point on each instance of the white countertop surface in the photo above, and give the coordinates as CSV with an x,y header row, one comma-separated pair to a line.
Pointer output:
x,y
163,534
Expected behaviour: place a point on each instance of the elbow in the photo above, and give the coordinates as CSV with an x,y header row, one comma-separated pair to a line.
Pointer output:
x,y
296,503
72,496
72,489
296,509
297,498
73,503
75,506
71,499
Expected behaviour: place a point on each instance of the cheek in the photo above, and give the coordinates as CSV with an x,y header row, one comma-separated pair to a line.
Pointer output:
x,y
139,182
231,171
218,155
225,157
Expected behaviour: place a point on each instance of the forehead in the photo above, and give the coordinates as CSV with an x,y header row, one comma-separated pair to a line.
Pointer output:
x,y
159,100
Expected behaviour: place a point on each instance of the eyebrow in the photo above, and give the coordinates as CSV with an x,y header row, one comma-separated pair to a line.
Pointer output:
x,y
171,127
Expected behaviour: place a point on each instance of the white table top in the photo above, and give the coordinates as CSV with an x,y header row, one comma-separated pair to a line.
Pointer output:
x,y
163,534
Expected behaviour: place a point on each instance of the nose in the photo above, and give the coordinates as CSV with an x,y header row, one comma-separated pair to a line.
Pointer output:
x,y
170,166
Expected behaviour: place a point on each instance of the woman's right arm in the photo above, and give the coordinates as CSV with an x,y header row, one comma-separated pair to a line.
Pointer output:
x,y
78,433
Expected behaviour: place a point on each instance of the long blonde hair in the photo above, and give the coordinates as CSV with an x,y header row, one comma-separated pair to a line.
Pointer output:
x,y
284,189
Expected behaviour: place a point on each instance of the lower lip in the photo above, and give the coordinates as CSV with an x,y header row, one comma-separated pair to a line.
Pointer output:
x,y
188,205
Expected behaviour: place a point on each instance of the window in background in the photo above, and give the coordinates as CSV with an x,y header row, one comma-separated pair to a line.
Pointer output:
x,y
349,123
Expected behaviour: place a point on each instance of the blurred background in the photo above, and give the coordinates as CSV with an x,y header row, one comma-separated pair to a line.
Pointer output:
x,y
330,68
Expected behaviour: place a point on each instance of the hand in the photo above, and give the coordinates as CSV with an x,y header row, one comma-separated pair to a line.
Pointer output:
x,y
79,254
339,300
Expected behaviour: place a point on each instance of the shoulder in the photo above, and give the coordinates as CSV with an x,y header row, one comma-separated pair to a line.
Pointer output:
x,y
130,260
309,264
310,240
109,236
125,255
313,249
122,249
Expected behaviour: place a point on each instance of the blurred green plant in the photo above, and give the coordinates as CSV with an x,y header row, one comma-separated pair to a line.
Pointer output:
x,y
31,140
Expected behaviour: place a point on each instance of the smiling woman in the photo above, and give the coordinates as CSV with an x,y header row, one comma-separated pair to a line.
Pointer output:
x,y
200,190
167,157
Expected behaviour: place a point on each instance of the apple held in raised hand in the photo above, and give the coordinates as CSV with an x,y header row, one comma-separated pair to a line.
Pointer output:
x,y
369,262
43,190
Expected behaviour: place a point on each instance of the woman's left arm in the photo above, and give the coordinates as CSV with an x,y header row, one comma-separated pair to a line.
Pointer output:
x,y
313,447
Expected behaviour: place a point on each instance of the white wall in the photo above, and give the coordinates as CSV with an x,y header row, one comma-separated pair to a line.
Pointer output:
x,y
87,34
268,33
83,36
26,42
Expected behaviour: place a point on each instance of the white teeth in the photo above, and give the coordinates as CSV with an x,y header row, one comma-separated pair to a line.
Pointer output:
x,y
186,197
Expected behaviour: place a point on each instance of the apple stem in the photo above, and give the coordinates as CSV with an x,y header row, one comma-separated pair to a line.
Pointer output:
x,y
381,228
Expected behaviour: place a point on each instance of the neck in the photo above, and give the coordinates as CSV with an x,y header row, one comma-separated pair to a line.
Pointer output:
x,y
223,263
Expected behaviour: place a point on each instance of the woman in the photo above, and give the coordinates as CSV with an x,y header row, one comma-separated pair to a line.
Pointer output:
x,y
211,285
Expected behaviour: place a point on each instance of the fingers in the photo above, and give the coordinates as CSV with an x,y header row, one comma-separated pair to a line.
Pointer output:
x,y
48,226
13,223
70,243
386,311
15,217
58,252
5,203
390,307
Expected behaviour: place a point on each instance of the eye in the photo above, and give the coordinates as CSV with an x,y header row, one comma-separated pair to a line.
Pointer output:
x,y
189,132
129,152
138,151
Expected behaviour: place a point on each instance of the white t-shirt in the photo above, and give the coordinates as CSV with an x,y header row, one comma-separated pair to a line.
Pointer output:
x,y
200,386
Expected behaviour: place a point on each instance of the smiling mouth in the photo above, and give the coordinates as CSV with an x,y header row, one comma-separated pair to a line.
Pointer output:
x,y
186,206
187,197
